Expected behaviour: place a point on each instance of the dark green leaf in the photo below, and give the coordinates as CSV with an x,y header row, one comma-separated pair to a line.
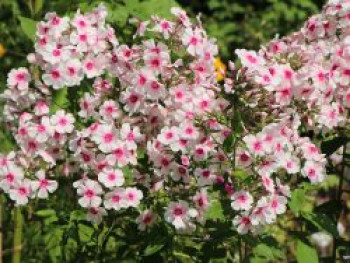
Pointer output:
x,y
330,146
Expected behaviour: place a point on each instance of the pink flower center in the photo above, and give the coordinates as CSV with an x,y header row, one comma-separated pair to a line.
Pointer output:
x,y
116,199
89,193
111,177
133,98
55,74
108,137
44,183
178,211
63,121
23,191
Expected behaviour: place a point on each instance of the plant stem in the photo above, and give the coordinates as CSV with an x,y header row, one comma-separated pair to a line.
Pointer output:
x,y
17,240
240,250
339,199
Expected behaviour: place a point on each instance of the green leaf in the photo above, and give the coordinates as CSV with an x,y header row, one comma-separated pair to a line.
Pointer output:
x,y
28,26
46,213
215,210
59,100
297,200
38,6
269,253
331,145
85,233
152,249
306,253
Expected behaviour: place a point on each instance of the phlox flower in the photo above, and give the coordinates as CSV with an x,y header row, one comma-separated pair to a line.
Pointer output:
x,y
179,215
146,219
241,200
96,214
62,122
106,138
243,223
249,58
115,200
10,175
19,78
90,192
133,196
21,191
111,178
313,171
193,40
42,186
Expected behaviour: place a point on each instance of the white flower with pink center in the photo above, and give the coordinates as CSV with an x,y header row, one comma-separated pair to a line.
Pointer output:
x,y
133,196
131,135
165,27
54,54
180,215
243,223
21,192
313,171
193,40
132,100
62,122
204,176
109,110
10,175
42,186
188,131
42,131
90,192
96,214
250,59
115,200
201,200
155,90
87,105
255,144
290,163
111,178
330,115
168,135
55,77
278,204
243,158
73,72
241,200
119,154
146,219
19,78
106,138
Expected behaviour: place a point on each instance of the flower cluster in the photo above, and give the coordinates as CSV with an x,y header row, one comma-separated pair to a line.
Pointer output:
x,y
135,122
275,155
308,70
145,127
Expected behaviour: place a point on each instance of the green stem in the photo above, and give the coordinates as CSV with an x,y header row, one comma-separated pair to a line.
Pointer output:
x,y
240,250
17,240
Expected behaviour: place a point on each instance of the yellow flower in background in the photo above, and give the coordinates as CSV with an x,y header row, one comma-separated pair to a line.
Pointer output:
x,y
220,68
2,50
